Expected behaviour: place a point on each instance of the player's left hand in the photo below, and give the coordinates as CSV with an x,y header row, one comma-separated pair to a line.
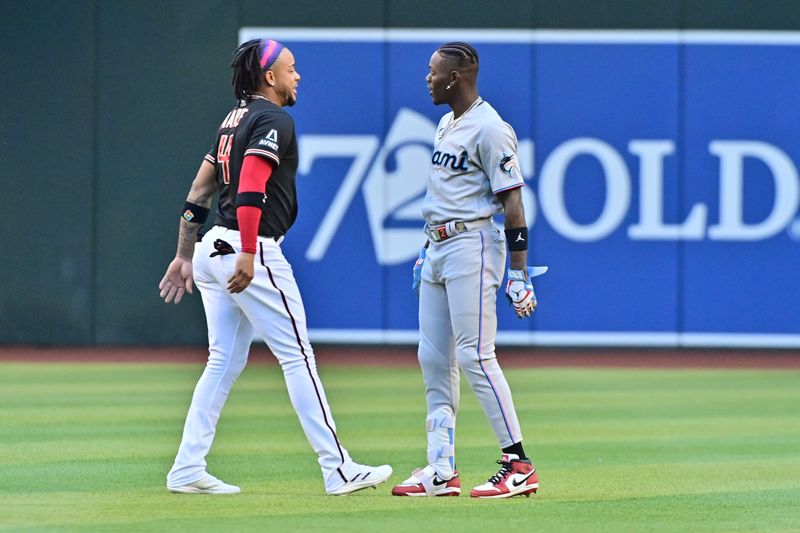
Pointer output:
x,y
519,290
177,280
242,274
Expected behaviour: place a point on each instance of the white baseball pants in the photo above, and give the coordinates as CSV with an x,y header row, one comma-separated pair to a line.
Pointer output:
x,y
270,308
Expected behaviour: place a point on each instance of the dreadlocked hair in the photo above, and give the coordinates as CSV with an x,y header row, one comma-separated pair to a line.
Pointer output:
x,y
246,70
462,53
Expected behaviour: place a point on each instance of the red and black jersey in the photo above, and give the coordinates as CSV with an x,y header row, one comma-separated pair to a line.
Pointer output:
x,y
263,129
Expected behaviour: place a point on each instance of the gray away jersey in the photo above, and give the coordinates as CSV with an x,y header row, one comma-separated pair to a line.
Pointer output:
x,y
474,158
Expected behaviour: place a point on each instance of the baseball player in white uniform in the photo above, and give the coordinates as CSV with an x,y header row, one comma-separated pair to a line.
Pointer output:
x,y
474,175
247,285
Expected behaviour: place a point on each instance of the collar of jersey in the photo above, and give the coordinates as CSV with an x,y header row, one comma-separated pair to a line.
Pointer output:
x,y
472,106
451,124
262,98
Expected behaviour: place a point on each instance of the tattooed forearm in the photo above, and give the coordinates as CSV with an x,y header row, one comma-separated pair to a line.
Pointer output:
x,y
203,188
187,237
201,196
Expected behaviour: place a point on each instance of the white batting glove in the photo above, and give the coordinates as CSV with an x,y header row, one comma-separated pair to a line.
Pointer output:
x,y
519,290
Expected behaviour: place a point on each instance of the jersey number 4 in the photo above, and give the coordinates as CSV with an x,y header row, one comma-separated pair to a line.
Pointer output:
x,y
224,156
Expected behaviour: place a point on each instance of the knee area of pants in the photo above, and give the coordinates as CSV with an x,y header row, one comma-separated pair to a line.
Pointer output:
x,y
479,367
428,346
467,360
230,371
438,364
428,354
217,360
298,362
221,361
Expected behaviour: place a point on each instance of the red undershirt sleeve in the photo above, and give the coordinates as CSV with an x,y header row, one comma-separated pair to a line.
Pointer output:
x,y
252,179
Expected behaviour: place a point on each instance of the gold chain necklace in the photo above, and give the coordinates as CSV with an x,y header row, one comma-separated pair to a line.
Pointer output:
x,y
454,121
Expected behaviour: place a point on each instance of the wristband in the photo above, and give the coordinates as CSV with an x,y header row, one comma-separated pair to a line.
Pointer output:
x,y
517,239
194,213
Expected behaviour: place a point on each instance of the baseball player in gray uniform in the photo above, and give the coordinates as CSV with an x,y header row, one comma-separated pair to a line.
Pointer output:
x,y
474,175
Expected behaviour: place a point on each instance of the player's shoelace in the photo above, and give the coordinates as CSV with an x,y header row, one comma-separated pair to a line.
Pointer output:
x,y
505,469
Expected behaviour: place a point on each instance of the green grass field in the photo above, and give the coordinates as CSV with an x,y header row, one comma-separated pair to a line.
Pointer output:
x,y
87,447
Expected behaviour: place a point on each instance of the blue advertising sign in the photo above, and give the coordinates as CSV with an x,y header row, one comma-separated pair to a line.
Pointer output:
x,y
662,184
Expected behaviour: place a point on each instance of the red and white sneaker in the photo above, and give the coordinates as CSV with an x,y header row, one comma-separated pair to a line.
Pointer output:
x,y
515,477
425,482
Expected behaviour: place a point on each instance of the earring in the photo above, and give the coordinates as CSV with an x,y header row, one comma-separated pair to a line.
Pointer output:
x,y
449,86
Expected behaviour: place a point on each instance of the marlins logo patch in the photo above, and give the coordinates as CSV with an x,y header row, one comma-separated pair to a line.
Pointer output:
x,y
507,163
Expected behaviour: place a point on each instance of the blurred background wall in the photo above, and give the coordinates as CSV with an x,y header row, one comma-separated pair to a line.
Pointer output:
x,y
108,106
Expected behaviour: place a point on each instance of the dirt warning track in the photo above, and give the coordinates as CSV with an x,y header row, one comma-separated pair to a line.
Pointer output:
x,y
394,356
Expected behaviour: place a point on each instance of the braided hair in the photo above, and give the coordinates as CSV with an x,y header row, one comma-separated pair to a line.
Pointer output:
x,y
247,73
463,55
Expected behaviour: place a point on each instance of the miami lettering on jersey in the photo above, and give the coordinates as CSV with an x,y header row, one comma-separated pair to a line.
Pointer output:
x,y
443,159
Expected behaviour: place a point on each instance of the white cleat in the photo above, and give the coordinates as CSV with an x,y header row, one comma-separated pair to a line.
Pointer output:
x,y
207,484
362,477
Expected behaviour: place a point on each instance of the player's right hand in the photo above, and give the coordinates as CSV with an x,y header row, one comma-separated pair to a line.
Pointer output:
x,y
242,274
417,271
176,281
519,290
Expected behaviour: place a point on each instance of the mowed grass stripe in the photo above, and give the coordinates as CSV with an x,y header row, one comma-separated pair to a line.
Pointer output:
x,y
86,447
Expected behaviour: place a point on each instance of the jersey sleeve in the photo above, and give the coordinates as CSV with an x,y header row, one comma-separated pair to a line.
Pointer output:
x,y
211,156
270,137
498,153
